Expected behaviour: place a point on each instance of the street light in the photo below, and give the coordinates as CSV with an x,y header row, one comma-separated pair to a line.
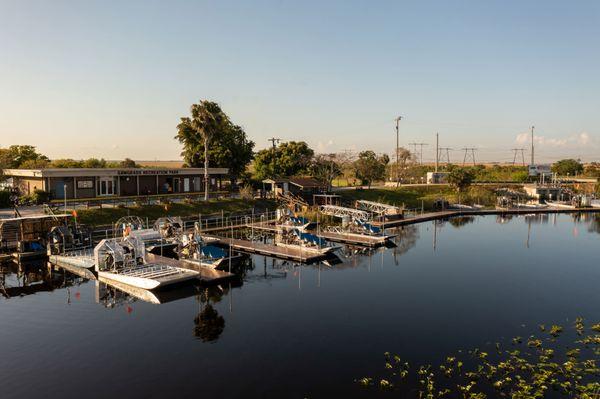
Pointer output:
x,y
398,119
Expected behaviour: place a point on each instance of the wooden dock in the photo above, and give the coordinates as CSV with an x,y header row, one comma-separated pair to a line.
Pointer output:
x,y
355,239
425,217
295,254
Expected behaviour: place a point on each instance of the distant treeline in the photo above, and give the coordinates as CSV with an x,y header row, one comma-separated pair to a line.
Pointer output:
x,y
27,157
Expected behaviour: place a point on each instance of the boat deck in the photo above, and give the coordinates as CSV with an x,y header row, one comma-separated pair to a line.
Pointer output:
x,y
207,274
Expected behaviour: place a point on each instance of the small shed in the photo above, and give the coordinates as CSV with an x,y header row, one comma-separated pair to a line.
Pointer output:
x,y
305,187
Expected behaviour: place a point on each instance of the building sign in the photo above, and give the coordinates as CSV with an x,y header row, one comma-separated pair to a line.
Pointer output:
x,y
148,172
85,184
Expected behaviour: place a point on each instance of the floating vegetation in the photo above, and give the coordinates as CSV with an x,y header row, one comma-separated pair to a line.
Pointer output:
x,y
534,370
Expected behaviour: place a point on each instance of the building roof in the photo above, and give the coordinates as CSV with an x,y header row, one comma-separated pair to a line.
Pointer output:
x,y
91,172
306,182
297,181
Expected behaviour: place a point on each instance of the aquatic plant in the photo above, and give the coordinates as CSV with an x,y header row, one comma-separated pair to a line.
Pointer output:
x,y
540,369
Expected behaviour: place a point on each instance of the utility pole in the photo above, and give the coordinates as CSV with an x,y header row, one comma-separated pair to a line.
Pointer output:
x,y
274,140
447,151
398,119
437,151
532,148
421,150
468,150
516,151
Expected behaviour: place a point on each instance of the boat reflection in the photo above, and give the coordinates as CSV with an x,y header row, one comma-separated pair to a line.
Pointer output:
x,y
30,278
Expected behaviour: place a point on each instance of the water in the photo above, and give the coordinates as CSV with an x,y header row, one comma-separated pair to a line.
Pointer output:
x,y
305,331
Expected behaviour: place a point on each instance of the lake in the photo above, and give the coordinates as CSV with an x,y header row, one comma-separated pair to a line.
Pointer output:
x,y
303,331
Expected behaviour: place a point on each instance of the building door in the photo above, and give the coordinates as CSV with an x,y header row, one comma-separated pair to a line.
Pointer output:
x,y
186,184
176,185
106,186
59,189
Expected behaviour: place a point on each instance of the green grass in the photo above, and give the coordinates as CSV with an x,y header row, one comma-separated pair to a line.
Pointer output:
x,y
415,197
107,216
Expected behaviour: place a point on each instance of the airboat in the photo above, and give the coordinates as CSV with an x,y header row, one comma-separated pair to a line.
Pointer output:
x,y
124,260
303,241
162,237
200,250
288,221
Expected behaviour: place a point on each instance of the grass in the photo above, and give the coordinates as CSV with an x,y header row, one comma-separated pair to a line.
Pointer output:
x,y
415,197
107,216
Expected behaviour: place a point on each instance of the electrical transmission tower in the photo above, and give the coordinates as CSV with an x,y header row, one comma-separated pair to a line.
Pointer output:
x,y
469,153
421,145
444,153
516,151
274,140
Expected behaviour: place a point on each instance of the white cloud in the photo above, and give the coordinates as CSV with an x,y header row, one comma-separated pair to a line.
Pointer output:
x,y
324,147
575,140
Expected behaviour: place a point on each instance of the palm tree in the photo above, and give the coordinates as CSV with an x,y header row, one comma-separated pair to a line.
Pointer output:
x,y
207,121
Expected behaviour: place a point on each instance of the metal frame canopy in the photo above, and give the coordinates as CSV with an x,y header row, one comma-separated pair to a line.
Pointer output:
x,y
377,207
340,211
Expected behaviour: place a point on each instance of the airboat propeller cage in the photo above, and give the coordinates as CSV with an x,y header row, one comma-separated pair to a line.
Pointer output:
x,y
377,207
169,226
340,211
111,254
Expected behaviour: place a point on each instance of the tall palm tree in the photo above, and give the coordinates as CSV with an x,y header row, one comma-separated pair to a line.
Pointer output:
x,y
207,121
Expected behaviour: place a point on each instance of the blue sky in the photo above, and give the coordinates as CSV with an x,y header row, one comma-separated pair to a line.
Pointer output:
x,y
111,78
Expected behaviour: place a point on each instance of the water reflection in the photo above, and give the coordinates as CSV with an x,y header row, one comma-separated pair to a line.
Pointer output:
x,y
208,324
461,221
365,303
29,278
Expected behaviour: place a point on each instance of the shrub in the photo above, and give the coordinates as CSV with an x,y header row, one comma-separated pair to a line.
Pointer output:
x,y
40,197
246,192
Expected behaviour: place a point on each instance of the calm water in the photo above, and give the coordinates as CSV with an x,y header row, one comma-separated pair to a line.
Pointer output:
x,y
303,331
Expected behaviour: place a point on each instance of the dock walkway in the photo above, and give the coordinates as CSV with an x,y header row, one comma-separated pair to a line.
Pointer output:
x,y
355,239
295,254
425,217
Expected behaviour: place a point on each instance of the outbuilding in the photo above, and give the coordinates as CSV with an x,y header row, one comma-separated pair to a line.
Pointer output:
x,y
85,183
303,187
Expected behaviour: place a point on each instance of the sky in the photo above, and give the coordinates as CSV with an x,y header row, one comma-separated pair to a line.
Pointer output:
x,y
111,79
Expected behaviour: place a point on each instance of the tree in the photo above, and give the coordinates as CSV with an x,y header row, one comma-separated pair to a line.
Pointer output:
x,y
405,159
593,169
206,125
17,155
460,178
565,167
230,149
66,163
369,167
326,167
288,159
39,163
128,163
94,163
